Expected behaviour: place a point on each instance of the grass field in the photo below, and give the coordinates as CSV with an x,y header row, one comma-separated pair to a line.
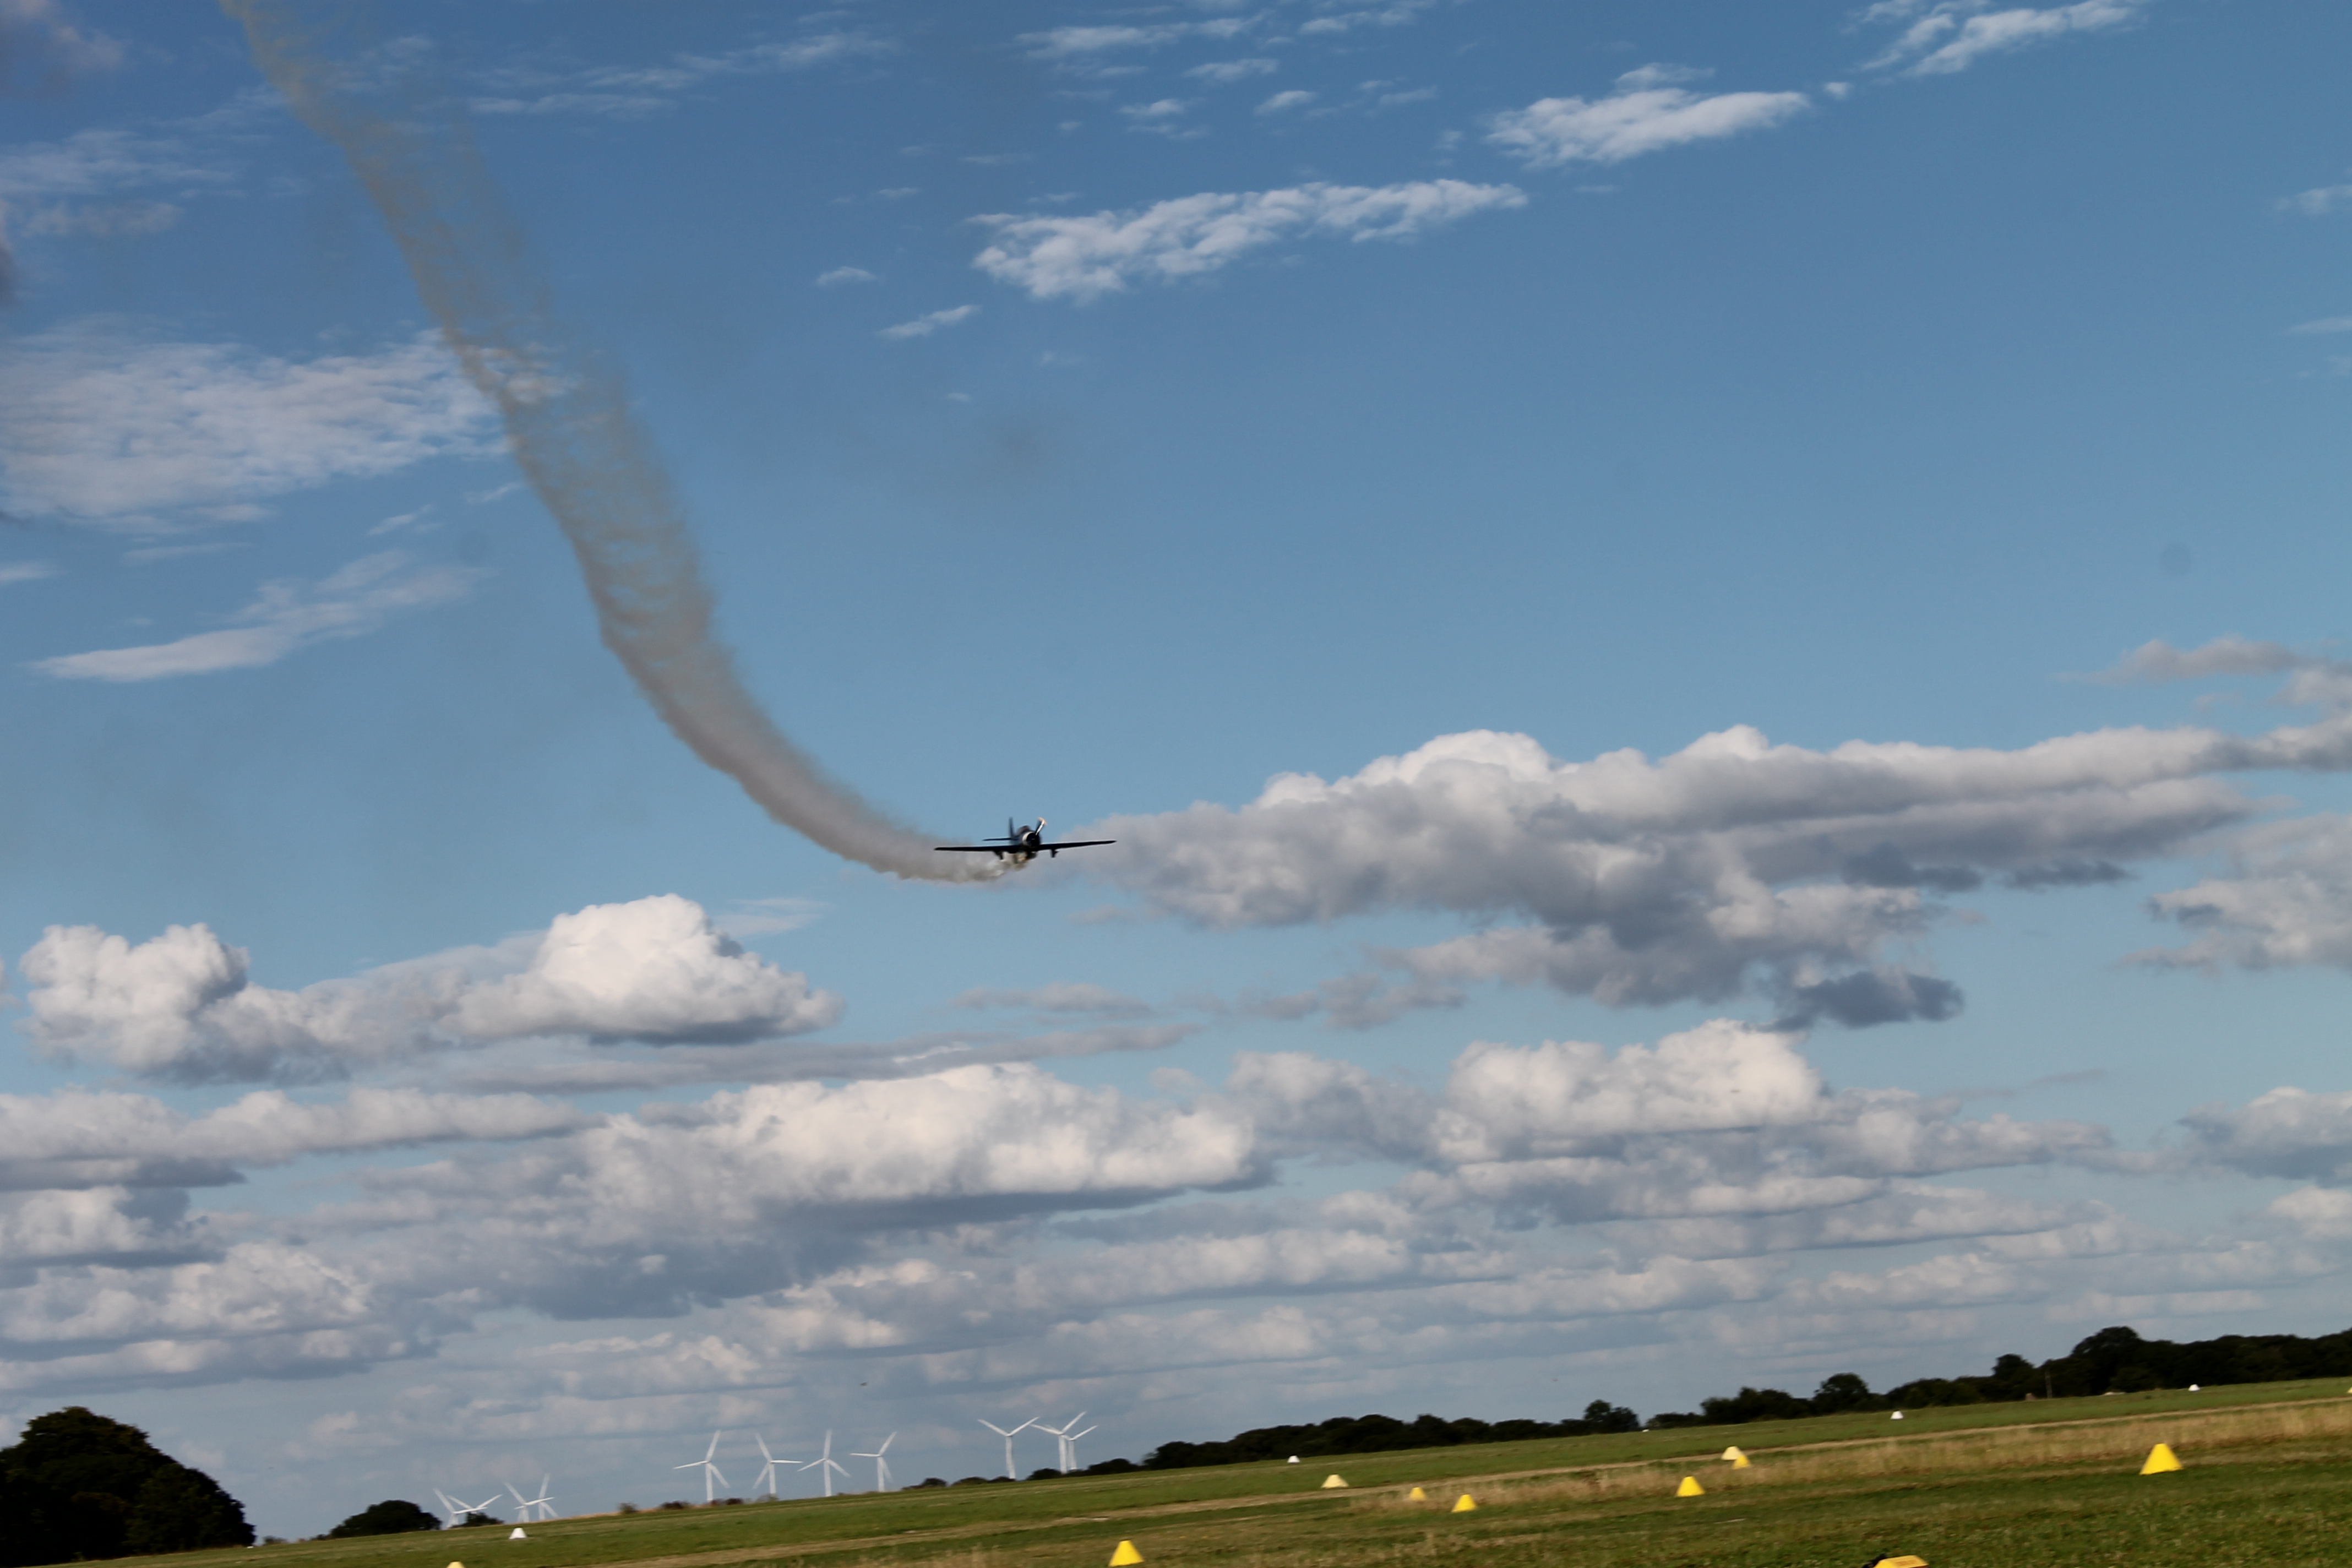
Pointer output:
x,y
2269,1481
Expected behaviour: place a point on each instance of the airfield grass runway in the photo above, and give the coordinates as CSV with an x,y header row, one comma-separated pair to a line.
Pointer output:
x,y
2268,1480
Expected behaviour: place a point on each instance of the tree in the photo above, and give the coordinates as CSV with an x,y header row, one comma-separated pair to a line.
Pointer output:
x,y
1842,1391
78,1485
394,1516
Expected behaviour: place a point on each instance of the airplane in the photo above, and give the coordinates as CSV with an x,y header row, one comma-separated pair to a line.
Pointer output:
x,y
1022,845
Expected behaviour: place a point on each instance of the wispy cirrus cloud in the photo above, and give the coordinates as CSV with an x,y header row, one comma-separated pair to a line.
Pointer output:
x,y
1647,112
27,571
1085,258
924,326
630,92
1942,36
288,615
101,423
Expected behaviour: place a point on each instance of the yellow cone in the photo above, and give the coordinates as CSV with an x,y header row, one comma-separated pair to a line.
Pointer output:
x,y
1125,1554
1464,1505
1905,1560
1690,1487
2160,1459
1416,1495
1330,1481
1733,1453
1743,1463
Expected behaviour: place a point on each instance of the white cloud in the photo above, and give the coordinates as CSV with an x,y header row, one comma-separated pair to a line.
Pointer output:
x,y
181,1006
287,615
1296,98
1644,114
111,220
41,45
100,425
2319,201
1730,863
924,326
1225,73
1399,13
1085,258
2324,324
632,93
1062,996
841,275
2287,904
1951,36
100,162
1078,47
27,571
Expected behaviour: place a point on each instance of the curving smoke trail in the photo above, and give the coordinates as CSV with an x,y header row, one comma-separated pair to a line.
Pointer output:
x,y
568,421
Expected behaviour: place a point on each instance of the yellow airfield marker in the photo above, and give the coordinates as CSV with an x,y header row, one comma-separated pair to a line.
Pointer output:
x,y
1330,1481
1690,1487
1416,1495
2160,1459
1733,1453
456,1565
1125,1555
1905,1560
1463,1504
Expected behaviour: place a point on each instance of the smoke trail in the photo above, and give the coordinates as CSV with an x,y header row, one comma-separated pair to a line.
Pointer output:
x,y
567,418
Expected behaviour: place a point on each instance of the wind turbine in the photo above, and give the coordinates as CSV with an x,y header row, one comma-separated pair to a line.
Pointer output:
x,y
711,1479
545,1504
452,1507
824,1461
1008,1437
881,1464
1070,1450
1062,1433
768,1471
474,1507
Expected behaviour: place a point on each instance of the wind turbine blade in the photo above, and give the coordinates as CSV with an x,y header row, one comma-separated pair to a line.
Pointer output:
x,y
713,1452
885,1447
763,1447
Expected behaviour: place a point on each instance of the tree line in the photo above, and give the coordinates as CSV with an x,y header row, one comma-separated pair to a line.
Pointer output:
x,y
2115,1360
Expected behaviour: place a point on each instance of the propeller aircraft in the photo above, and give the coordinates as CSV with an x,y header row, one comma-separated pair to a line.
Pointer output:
x,y
1020,845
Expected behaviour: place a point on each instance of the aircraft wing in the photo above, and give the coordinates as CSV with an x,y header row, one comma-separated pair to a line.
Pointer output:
x,y
975,848
1078,844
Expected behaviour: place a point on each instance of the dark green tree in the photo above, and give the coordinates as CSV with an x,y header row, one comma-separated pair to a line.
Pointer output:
x,y
78,1485
394,1516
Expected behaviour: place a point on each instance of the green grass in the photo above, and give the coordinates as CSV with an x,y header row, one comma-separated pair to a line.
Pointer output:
x,y
2052,1481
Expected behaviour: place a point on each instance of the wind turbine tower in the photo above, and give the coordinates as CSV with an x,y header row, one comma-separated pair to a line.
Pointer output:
x,y
1062,1435
711,1479
1070,1451
1009,1473
544,1504
881,1464
825,1463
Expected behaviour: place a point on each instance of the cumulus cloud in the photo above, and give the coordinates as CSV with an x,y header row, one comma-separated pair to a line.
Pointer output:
x,y
1942,36
2287,904
1646,113
99,424
1085,258
1734,865
288,614
181,1006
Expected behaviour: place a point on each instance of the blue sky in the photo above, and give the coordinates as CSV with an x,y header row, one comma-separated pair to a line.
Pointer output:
x,y
1710,633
